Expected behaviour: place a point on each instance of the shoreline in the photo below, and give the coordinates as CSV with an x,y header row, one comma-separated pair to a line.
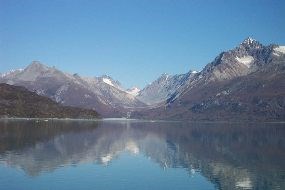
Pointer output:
x,y
130,120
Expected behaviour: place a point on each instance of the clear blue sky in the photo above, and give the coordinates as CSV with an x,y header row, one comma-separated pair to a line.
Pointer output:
x,y
134,41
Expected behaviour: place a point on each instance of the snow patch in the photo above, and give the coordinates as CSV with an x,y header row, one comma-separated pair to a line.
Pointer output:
x,y
10,82
279,50
108,81
246,60
133,91
11,72
248,41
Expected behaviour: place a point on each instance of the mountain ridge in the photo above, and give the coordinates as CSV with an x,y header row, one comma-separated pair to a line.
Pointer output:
x,y
100,93
107,95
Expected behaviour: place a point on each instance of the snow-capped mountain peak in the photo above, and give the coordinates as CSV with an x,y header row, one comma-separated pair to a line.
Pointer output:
x,y
250,43
249,40
110,81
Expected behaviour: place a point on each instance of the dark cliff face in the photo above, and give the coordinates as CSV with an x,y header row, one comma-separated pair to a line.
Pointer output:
x,y
246,83
19,102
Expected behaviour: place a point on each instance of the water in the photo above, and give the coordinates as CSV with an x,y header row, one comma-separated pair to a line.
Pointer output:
x,y
139,155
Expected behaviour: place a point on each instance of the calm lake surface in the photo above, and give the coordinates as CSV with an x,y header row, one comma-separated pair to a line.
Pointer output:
x,y
128,154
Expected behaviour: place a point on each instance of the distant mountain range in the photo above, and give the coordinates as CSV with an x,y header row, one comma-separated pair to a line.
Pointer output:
x,y
19,102
247,82
99,93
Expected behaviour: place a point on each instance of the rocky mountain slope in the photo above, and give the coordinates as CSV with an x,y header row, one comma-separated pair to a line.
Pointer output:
x,y
247,82
102,94
163,88
19,102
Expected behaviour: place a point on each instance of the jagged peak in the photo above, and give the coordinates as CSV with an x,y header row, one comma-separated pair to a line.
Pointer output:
x,y
164,75
107,77
250,42
110,81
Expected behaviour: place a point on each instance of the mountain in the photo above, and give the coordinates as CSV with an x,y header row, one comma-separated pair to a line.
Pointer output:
x,y
102,94
164,87
19,102
108,80
246,83
248,57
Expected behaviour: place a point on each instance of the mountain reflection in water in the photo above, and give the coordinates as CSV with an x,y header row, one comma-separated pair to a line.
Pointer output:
x,y
230,156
